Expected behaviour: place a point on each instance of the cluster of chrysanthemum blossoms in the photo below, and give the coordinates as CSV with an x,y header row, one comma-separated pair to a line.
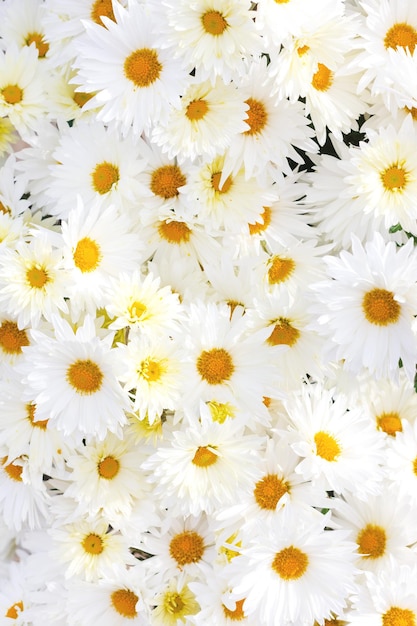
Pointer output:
x,y
207,312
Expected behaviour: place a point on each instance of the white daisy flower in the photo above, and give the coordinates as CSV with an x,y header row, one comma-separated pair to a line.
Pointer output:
x,y
96,164
119,599
203,468
22,97
21,24
89,549
340,449
382,527
33,281
97,245
150,370
142,304
294,572
105,477
205,123
222,357
136,82
212,36
175,602
370,302
71,379
388,598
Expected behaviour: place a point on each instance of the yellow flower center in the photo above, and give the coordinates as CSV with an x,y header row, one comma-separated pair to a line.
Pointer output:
x,y
220,411
280,269
323,78
136,311
214,23
380,307
390,423
39,42
257,117
80,98
14,610
85,376
13,471
215,183
282,1
12,340
30,414
124,602
196,110
93,544
415,466
173,603
326,446
165,181
394,178
283,333
37,277
143,67
108,467
204,457
102,8
401,35
215,366
186,547
399,617
258,227
174,232
12,94
371,541
302,50
269,490
151,370
237,614
104,176
87,255
290,563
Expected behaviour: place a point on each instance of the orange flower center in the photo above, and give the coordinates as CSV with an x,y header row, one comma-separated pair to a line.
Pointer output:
x,y
12,340
214,23
380,307
87,255
85,376
323,78
165,181
371,541
215,366
196,110
204,457
108,467
401,35
143,67
257,117
290,563
174,232
104,176
39,42
12,94
124,602
326,446
269,490
186,547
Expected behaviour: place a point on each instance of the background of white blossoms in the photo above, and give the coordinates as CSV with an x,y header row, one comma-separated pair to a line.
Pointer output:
x,y
207,312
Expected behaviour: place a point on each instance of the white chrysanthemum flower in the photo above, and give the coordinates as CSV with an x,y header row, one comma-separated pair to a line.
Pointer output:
x,y
142,304
382,527
96,164
21,24
276,128
294,572
366,307
174,604
210,36
119,599
389,30
340,450
150,370
387,599
222,357
276,490
33,281
105,477
22,97
136,82
223,202
71,380
389,405
204,125
66,104
97,245
89,549
203,468
179,544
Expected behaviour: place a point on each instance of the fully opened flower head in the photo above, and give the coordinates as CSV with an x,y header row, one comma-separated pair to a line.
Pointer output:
x,y
135,80
370,306
23,25
71,379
